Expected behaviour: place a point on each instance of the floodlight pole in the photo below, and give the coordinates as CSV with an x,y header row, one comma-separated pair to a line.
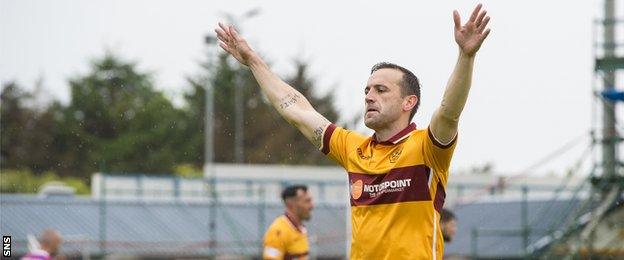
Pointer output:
x,y
209,173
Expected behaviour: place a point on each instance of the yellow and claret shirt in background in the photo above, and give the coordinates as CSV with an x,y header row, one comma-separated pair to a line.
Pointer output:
x,y
397,191
285,240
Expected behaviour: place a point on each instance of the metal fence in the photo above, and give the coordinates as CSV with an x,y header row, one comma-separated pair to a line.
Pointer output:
x,y
165,216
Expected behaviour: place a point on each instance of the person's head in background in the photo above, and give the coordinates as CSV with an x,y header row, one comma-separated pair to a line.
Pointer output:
x,y
298,202
448,224
50,241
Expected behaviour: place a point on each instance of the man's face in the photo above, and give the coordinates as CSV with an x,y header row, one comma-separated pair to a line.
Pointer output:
x,y
384,101
303,205
448,230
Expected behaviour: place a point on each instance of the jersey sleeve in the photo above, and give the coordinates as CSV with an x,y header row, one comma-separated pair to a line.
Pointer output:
x,y
438,155
274,243
338,143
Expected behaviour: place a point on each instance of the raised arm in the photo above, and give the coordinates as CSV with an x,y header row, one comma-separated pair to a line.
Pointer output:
x,y
291,104
469,38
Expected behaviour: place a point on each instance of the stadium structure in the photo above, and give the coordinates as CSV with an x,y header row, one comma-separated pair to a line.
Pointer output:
x,y
161,217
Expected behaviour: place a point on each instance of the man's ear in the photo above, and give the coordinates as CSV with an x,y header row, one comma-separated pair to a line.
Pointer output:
x,y
289,202
410,102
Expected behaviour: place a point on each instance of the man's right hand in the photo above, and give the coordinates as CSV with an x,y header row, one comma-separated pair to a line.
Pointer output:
x,y
291,104
234,44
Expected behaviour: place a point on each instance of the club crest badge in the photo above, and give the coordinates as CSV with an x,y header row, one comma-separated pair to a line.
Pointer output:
x,y
394,156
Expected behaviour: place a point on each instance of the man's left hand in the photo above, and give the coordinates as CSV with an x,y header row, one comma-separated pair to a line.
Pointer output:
x,y
471,35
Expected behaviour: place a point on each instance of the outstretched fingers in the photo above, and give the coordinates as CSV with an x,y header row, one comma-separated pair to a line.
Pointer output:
x,y
235,34
226,39
221,35
475,12
456,20
225,47
481,27
479,20
224,28
485,34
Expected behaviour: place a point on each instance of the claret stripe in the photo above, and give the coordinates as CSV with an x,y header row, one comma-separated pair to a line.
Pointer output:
x,y
294,256
440,195
399,136
329,130
437,143
398,185
292,222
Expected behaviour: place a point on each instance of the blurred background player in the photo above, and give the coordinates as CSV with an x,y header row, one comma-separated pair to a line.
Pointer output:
x,y
46,247
287,238
448,224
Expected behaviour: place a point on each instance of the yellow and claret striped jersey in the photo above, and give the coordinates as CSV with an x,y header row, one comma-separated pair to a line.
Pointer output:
x,y
285,240
397,191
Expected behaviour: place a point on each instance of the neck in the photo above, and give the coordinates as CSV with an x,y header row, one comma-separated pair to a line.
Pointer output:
x,y
386,133
293,217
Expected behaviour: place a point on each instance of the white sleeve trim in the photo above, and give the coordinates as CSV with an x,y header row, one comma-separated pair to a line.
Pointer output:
x,y
272,252
440,142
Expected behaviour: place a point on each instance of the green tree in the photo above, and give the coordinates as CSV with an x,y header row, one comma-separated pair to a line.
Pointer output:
x,y
26,138
277,141
117,122
24,181
267,137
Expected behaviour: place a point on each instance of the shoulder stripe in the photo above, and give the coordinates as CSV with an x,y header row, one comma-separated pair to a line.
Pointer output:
x,y
439,144
329,130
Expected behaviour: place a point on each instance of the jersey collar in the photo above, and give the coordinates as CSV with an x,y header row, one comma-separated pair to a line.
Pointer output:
x,y
400,136
299,227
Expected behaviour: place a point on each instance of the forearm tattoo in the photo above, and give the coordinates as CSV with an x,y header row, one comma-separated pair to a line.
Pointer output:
x,y
317,137
289,100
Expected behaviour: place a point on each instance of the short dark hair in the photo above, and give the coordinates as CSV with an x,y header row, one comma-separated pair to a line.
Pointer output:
x,y
410,85
291,191
446,215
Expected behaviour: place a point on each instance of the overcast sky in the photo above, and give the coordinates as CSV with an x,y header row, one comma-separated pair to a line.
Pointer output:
x,y
532,84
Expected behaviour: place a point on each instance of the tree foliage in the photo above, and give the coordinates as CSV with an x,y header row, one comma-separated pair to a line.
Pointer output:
x,y
267,137
117,121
